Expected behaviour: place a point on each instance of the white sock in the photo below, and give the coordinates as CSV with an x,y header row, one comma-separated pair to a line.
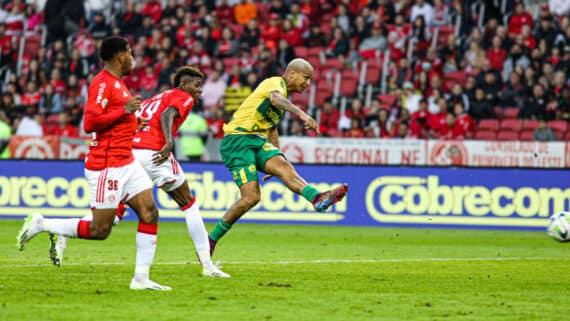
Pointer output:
x,y
198,233
146,247
89,217
65,227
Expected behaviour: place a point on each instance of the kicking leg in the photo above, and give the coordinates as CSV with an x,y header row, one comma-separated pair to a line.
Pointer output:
x,y
143,204
196,229
279,167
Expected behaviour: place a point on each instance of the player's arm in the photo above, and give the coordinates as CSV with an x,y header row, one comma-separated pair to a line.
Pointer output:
x,y
277,100
96,119
167,121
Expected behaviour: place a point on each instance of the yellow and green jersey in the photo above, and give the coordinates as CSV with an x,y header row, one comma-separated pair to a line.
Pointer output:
x,y
256,115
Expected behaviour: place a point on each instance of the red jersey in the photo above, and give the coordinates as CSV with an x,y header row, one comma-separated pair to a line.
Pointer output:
x,y
152,137
113,130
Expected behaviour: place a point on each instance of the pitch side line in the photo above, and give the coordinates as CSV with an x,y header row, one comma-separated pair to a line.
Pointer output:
x,y
322,261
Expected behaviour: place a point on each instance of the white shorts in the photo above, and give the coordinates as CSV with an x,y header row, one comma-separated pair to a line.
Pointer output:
x,y
168,176
113,185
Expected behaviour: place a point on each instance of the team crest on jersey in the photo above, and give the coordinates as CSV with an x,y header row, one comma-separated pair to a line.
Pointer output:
x,y
117,85
104,103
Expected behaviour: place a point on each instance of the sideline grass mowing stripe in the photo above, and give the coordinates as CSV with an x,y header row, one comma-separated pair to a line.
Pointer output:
x,y
299,273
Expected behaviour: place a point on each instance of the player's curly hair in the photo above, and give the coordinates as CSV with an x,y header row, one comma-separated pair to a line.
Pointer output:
x,y
187,71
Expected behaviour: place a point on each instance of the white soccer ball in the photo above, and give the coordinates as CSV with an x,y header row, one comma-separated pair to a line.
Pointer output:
x,y
559,226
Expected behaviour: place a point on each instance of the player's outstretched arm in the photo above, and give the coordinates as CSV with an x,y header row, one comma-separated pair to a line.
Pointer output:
x,y
281,102
167,121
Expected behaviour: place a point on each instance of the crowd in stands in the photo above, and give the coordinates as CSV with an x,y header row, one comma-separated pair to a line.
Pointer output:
x,y
454,70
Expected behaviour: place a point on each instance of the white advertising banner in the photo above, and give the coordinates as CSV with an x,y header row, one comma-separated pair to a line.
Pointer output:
x,y
353,151
425,152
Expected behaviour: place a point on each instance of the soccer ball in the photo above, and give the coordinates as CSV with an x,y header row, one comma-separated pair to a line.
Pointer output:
x,y
559,226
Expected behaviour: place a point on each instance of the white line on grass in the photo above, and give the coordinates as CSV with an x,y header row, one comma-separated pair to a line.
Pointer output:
x,y
321,261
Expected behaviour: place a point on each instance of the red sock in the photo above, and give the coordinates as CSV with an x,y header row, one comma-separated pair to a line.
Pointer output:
x,y
187,206
83,229
148,228
120,211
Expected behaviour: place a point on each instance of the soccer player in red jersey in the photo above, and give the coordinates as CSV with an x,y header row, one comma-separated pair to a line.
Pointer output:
x,y
153,145
110,168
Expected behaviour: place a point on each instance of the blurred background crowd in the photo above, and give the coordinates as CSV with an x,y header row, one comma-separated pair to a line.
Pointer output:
x,y
441,69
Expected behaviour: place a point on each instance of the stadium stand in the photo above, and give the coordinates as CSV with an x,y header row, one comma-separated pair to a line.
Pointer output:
x,y
522,67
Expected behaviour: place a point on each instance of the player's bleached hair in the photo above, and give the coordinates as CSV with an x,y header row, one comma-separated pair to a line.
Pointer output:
x,y
187,71
298,64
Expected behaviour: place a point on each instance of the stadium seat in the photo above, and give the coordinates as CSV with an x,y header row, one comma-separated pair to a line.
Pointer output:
x,y
332,63
488,124
530,124
32,45
567,136
507,135
527,135
301,100
349,74
485,135
444,32
499,113
237,30
322,95
348,87
558,125
315,52
373,74
457,77
510,124
386,100
511,112
325,84
301,52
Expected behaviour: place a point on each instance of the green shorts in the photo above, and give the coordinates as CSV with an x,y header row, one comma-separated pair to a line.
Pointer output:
x,y
244,155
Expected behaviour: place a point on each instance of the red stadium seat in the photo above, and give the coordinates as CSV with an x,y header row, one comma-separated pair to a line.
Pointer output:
x,y
349,74
512,112
507,135
488,124
302,52
386,100
321,96
459,77
567,136
348,87
527,135
443,34
513,125
530,124
373,74
485,135
32,45
315,51
325,84
499,112
332,63
558,125
301,100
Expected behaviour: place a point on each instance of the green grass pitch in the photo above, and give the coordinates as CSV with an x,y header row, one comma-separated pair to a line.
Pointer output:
x,y
284,272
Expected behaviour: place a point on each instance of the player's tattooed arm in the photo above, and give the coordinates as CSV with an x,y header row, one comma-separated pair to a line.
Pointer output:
x,y
281,102
167,121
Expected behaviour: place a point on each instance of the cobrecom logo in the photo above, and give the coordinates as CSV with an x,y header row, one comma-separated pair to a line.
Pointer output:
x,y
424,200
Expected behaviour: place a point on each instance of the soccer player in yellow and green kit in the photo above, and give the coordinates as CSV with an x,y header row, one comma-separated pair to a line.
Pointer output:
x,y
251,143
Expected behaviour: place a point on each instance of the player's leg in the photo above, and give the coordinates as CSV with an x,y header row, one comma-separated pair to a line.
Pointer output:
x,y
102,208
142,202
188,204
279,167
250,195
238,154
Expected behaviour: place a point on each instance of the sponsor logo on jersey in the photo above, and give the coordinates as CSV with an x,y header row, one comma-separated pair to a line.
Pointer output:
x,y
100,93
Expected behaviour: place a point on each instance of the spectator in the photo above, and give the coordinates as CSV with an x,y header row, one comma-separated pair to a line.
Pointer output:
x,y
227,46
316,37
166,71
330,117
411,98
100,29
422,8
380,127
543,133
277,7
251,34
244,12
450,54
376,42
519,18
50,102
433,99
420,117
403,131
496,54
535,106
225,13
285,54
148,82
440,14
492,87
343,18
32,96
481,107
30,124
213,90
515,58
546,31
5,133
290,34
355,130
299,20
338,45
474,57
152,9
296,128
451,129
457,96
513,92
130,21
64,128
437,120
